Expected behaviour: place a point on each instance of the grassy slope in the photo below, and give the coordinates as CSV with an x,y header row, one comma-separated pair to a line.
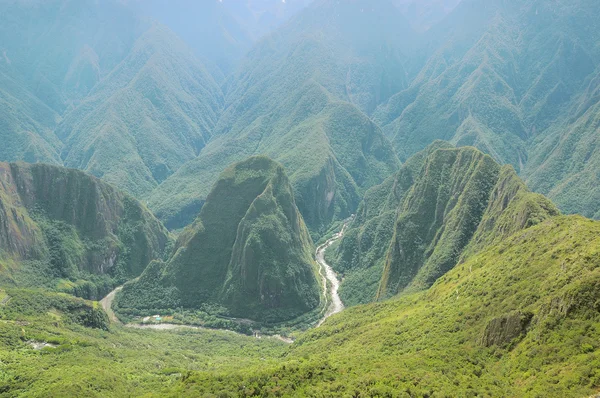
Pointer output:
x,y
119,362
431,343
248,250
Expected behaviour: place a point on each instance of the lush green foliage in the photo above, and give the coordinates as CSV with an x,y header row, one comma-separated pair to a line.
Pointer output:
x,y
68,231
432,343
248,251
93,361
443,205
361,254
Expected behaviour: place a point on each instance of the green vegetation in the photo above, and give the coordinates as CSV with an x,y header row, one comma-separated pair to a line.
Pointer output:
x,y
442,206
88,358
248,254
434,343
301,98
360,256
460,280
519,82
67,231
520,318
155,111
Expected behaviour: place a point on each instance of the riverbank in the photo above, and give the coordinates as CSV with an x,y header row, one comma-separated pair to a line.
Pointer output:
x,y
331,286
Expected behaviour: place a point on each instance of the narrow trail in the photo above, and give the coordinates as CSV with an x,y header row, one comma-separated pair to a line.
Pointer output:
x,y
106,303
330,276
334,306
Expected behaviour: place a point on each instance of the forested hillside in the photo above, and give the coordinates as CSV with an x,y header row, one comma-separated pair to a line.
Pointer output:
x,y
64,230
248,251
442,206
302,96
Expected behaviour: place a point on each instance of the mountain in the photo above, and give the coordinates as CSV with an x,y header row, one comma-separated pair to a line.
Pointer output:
x,y
52,54
499,324
424,14
564,163
142,122
248,251
64,230
98,87
26,125
510,79
220,32
302,97
59,49
361,254
442,206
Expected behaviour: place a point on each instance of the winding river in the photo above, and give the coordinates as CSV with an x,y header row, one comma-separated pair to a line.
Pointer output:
x,y
334,303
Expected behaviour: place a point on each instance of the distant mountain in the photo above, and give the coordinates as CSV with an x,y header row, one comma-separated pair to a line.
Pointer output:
x,y
220,32
67,231
302,97
443,205
510,78
424,14
565,162
59,49
95,86
248,251
153,112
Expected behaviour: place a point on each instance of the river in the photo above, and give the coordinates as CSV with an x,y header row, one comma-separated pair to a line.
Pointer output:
x,y
334,303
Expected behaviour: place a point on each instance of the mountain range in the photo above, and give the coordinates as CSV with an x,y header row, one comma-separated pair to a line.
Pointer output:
x,y
230,164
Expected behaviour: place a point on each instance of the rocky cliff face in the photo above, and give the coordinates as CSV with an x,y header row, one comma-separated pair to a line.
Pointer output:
x,y
74,225
443,206
248,251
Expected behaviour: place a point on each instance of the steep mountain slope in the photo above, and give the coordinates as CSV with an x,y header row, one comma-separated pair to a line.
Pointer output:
x,y
96,86
65,230
298,98
248,251
442,206
51,55
26,125
518,319
564,164
152,113
360,256
59,49
499,83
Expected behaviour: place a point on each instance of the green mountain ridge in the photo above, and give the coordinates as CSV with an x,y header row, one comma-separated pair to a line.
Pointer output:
x,y
442,206
67,231
248,251
300,97
152,113
510,78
